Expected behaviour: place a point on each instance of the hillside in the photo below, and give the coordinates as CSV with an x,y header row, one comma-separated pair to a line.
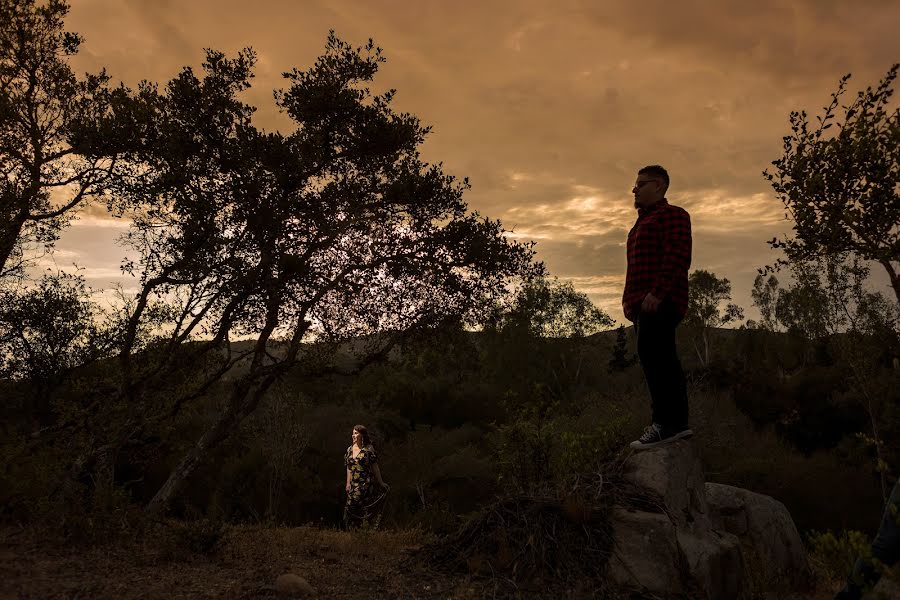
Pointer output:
x,y
459,419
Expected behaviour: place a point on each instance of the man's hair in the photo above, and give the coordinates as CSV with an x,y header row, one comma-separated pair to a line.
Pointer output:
x,y
656,171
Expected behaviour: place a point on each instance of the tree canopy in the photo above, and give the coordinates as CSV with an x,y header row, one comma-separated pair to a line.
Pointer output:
x,y
44,112
333,231
841,188
705,297
552,308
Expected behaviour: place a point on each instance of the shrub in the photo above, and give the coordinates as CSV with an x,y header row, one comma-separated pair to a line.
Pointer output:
x,y
834,554
585,451
524,453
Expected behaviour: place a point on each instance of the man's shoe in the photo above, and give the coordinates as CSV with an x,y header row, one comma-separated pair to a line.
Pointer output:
x,y
657,435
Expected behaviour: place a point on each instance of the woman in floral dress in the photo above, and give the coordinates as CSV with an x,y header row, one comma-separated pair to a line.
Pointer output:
x,y
362,475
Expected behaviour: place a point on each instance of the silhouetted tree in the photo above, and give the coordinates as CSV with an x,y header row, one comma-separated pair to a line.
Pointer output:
x,y
335,231
620,359
766,295
46,331
706,294
828,295
553,308
548,308
44,111
830,302
842,190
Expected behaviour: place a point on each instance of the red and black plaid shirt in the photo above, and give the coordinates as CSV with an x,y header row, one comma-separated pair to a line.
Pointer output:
x,y
659,255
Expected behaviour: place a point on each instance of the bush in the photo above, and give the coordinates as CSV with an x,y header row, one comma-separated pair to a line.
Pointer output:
x,y
585,451
834,554
524,453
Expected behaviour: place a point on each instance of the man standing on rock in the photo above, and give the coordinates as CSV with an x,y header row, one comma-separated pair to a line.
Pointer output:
x,y
655,300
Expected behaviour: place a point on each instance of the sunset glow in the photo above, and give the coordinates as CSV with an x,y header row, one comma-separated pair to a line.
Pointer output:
x,y
549,109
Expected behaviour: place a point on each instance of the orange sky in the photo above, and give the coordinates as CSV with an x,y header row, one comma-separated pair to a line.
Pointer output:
x,y
548,107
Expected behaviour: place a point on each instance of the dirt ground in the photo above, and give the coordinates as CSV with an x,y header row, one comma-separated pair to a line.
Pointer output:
x,y
245,564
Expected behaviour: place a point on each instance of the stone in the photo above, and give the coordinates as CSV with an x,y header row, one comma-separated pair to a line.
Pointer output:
x,y
709,542
771,542
646,553
290,584
674,472
714,563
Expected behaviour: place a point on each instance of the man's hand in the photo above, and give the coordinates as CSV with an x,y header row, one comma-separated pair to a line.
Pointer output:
x,y
650,304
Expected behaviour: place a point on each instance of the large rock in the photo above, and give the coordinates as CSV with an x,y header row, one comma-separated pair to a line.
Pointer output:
x,y
713,563
647,551
674,473
704,548
772,546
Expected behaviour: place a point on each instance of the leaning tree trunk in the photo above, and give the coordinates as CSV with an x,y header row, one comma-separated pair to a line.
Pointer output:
x,y
705,347
10,230
697,352
186,467
895,278
241,404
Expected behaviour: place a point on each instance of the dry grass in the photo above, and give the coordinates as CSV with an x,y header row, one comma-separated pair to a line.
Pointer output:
x,y
337,564
557,538
244,565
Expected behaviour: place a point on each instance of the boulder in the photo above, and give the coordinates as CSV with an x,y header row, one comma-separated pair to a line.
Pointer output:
x,y
674,473
713,562
710,545
770,540
646,551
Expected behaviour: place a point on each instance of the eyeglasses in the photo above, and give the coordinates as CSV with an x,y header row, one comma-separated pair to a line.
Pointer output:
x,y
639,184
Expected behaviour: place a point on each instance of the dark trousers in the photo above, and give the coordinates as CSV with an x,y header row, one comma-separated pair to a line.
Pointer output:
x,y
885,547
662,369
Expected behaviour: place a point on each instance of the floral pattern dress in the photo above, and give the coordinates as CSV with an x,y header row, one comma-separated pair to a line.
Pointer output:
x,y
363,495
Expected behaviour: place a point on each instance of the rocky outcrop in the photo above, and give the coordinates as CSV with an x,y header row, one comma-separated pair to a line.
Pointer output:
x,y
705,540
770,542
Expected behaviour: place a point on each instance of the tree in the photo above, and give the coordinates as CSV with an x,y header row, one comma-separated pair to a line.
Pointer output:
x,y
829,302
283,437
706,293
553,308
44,111
547,308
47,331
620,361
842,190
799,308
335,232
766,295
829,295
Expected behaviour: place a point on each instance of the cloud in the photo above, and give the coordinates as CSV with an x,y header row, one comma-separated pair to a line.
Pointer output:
x,y
550,109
